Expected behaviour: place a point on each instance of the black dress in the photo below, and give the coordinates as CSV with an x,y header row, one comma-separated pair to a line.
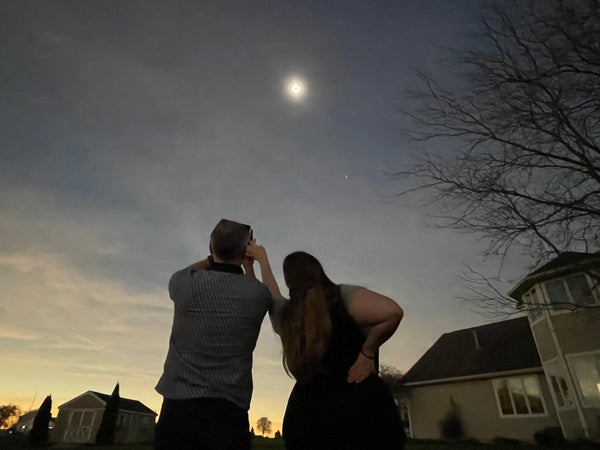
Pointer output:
x,y
329,413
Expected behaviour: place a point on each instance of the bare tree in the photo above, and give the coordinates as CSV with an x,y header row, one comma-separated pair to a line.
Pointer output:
x,y
263,425
521,133
7,412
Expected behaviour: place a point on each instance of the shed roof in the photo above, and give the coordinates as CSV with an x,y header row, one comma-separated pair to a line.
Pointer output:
x,y
125,404
497,347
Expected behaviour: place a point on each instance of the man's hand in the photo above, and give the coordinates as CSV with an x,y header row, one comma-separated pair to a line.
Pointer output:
x,y
256,252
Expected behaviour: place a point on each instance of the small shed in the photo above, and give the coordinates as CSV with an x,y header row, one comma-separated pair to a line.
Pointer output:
x,y
78,420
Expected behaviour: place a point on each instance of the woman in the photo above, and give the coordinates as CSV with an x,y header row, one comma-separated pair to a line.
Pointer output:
x,y
330,335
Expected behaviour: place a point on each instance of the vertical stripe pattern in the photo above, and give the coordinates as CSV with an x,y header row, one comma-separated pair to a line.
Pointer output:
x,y
216,321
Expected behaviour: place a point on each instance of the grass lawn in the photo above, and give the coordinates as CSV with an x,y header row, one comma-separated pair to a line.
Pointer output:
x,y
277,444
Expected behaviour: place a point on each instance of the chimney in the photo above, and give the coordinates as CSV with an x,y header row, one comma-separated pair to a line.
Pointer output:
x,y
476,339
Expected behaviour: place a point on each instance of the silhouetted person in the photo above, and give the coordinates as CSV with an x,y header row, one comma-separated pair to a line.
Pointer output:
x,y
207,379
331,334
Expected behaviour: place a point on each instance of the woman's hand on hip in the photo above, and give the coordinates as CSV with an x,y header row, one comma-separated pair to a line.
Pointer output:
x,y
361,369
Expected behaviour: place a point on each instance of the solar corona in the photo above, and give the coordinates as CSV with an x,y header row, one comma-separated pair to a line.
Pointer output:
x,y
295,89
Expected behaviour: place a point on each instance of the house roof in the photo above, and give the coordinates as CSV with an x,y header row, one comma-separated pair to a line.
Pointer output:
x,y
125,404
497,347
563,264
29,415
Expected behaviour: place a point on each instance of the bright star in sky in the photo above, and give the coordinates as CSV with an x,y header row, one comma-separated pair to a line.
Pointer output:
x,y
295,89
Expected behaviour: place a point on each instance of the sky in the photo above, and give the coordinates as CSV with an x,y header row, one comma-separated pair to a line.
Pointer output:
x,y
129,128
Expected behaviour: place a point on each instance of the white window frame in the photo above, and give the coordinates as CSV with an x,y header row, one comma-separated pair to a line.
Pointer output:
x,y
584,402
569,299
567,405
495,385
535,315
82,433
404,412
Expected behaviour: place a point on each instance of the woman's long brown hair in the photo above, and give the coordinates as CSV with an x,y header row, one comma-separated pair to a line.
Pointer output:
x,y
305,323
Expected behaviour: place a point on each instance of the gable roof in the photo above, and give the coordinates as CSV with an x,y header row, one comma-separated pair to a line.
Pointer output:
x,y
497,347
125,404
29,415
563,264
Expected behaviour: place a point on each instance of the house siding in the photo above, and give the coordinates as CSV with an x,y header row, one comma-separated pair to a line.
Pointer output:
x,y
85,402
592,418
137,428
478,410
543,340
78,421
578,331
77,425
571,424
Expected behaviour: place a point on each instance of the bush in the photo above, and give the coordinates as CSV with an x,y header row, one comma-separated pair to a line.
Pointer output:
x,y
549,437
39,432
501,440
582,444
451,426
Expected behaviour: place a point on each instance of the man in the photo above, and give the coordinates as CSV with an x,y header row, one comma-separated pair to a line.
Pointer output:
x,y
207,379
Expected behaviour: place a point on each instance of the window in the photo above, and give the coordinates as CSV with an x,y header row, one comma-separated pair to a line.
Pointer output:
x,y
586,368
519,396
576,289
557,292
559,385
580,289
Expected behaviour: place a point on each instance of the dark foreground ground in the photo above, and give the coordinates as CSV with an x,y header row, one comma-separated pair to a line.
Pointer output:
x,y
277,444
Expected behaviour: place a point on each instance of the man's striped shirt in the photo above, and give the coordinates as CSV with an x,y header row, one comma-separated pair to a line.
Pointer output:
x,y
217,318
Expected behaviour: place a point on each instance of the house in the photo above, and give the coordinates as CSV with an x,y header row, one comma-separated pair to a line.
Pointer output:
x,y
562,299
520,376
490,376
25,422
78,420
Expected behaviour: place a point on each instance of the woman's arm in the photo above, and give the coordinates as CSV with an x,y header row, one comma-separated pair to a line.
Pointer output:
x,y
382,315
259,253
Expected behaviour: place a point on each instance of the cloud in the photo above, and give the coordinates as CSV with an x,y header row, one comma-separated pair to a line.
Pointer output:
x,y
16,334
78,310
127,132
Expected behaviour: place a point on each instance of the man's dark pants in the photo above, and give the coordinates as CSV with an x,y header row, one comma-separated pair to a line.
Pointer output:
x,y
202,424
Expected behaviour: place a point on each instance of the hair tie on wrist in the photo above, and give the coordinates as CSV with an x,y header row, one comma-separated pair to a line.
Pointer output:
x,y
367,356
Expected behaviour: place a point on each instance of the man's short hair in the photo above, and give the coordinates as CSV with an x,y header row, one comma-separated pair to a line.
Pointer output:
x,y
229,239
